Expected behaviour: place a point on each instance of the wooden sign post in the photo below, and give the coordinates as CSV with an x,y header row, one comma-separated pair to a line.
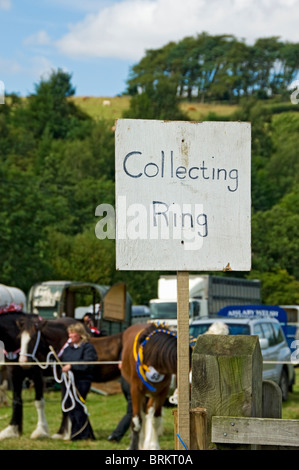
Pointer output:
x,y
182,204
183,367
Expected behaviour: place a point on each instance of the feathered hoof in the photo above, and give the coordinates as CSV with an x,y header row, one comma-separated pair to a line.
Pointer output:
x,y
40,433
10,432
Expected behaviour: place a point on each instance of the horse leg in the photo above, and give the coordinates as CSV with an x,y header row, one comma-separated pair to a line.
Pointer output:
x,y
150,433
136,422
42,425
153,421
65,429
15,427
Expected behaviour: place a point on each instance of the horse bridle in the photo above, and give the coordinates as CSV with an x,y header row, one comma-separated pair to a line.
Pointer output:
x,y
33,355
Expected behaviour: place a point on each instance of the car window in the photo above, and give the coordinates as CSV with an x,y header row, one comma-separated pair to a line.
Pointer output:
x,y
279,338
257,330
237,329
234,329
196,330
269,333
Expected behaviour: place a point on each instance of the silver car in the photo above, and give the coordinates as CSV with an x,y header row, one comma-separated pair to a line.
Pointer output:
x,y
273,344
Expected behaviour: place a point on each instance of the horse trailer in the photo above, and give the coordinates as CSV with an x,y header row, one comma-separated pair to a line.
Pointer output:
x,y
111,306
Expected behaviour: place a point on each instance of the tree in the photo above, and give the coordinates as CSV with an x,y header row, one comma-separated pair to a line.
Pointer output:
x,y
275,236
50,110
221,67
278,287
24,216
158,101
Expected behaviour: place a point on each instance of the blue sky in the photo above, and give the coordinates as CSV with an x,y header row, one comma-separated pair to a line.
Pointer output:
x,y
97,41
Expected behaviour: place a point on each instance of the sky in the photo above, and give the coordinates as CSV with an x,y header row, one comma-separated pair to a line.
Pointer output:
x,y
98,41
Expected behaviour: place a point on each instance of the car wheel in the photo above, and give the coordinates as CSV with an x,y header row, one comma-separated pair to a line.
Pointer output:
x,y
284,385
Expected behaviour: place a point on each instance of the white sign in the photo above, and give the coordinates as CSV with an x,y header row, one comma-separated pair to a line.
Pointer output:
x,y
183,198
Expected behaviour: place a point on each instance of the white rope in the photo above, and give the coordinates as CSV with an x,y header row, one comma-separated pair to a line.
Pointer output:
x,y
47,363
294,363
71,391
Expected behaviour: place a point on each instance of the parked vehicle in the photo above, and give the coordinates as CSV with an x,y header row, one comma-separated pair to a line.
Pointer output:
x,y
207,295
12,295
292,312
140,314
273,344
272,311
52,299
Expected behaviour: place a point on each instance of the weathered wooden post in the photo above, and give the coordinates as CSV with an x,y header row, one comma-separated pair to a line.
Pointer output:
x,y
198,429
183,363
227,377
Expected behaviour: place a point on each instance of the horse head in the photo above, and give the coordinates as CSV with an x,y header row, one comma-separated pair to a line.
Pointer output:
x,y
38,334
9,330
30,329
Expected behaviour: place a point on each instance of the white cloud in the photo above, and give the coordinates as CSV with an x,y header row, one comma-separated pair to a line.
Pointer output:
x,y
35,67
40,66
127,28
5,4
11,66
41,38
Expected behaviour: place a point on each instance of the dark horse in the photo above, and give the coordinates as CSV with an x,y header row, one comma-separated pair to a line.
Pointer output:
x,y
38,336
149,358
9,334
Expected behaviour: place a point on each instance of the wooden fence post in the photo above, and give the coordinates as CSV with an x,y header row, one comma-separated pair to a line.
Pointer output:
x,y
227,377
272,400
198,429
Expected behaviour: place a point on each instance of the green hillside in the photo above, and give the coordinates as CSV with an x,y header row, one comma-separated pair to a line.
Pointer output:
x,y
57,166
98,107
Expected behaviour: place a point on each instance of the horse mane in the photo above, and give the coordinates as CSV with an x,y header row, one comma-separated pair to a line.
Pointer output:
x,y
12,313
160,349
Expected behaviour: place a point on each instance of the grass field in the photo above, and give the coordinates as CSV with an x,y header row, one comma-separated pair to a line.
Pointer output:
x,y
105,412
99,110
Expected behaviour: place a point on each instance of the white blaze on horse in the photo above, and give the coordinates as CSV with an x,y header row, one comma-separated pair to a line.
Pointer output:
x,y
149,359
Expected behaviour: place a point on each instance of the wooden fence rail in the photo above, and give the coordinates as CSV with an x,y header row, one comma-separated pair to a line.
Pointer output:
x,y
260,431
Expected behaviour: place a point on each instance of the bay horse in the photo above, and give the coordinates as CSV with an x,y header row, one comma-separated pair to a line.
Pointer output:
x,y
9,334
38,336
149,359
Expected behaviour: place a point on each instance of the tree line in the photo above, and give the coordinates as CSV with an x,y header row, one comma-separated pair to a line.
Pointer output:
x,y
218,68
57,166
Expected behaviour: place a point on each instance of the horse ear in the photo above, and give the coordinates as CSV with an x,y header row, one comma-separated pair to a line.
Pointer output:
x,y
20,323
